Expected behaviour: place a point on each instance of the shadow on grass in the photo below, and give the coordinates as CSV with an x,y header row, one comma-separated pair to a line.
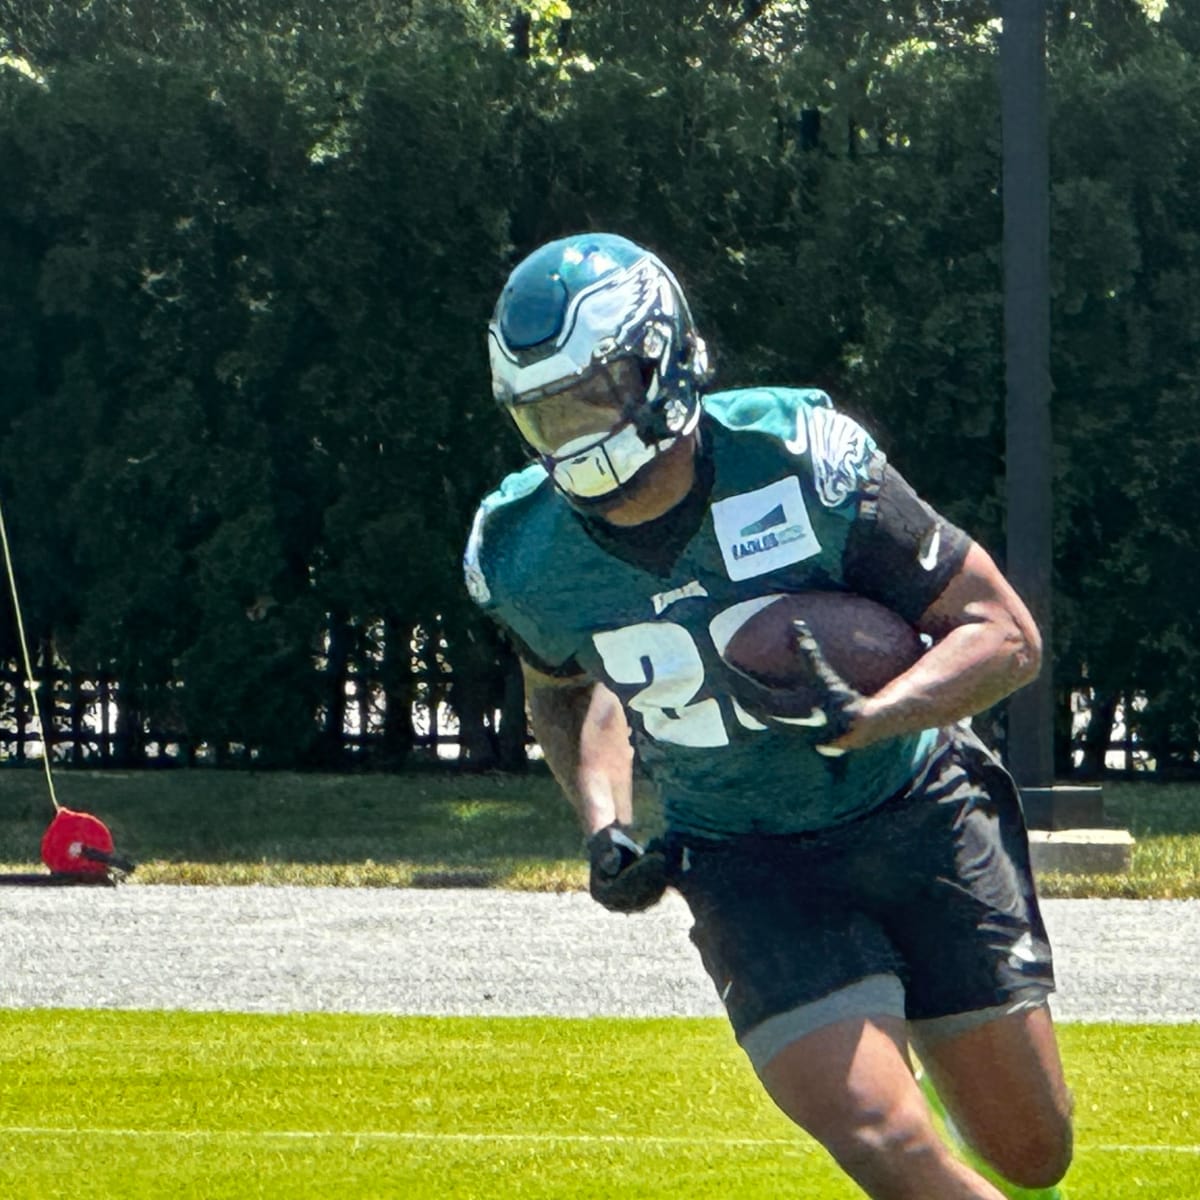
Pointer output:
x,y
234,816
1153,809
452,829
436,828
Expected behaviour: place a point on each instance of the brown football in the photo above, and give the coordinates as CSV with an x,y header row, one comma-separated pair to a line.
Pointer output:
x,y
867,644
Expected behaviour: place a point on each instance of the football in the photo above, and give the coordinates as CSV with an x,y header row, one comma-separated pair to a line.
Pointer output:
x,y
867,644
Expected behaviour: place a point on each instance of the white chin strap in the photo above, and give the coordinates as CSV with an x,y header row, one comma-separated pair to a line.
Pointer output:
x,y
600,467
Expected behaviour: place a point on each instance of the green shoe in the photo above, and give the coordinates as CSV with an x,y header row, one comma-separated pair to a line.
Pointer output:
x,y
971,1158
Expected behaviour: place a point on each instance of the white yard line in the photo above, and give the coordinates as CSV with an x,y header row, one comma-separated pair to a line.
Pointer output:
x,y
405,1135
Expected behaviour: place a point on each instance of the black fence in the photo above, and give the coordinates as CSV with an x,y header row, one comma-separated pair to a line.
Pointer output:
x,y
90,725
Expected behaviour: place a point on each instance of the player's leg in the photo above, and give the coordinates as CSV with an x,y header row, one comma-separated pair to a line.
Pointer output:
x,y
849,1085
809,984
980,968
1001,1083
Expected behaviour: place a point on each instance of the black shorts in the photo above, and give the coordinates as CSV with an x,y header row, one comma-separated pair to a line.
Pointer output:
x,y
924,907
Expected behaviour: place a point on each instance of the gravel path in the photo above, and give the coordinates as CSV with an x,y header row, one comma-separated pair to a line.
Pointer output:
x,y
481,952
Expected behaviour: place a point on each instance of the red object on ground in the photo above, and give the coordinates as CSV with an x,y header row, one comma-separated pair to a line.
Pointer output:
x,y
76,844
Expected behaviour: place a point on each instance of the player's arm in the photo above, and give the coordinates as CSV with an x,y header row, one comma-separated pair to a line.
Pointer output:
x,y
584,737
986,645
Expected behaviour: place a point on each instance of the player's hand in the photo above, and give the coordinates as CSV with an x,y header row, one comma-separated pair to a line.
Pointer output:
x,y
839,703
625,877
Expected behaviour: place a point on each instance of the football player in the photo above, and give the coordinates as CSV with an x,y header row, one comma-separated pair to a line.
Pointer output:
x,y
859,880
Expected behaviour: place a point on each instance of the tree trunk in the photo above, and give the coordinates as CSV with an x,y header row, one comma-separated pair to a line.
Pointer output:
x,y
128,748
1098,734
331,751
19,715
397,677
513,734
77,703
477,743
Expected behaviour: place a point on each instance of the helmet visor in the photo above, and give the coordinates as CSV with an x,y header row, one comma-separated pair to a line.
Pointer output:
x,y
579,409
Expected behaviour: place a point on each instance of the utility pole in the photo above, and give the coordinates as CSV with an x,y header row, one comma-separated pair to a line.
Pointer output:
x,y
1067,824
1028,438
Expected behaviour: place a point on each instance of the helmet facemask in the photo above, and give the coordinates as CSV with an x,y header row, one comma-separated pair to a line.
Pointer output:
x,y
592,434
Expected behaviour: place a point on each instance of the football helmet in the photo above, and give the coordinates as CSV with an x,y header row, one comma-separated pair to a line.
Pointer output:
x,y
596,359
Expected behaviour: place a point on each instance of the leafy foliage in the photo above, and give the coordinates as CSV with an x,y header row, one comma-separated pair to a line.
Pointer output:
x,y
249,248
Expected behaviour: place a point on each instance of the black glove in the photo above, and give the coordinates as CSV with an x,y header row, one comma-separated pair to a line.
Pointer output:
x,y
839,702
624,877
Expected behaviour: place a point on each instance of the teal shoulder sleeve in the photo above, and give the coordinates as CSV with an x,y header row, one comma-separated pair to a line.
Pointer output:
x,y
495,512
838,457
515,527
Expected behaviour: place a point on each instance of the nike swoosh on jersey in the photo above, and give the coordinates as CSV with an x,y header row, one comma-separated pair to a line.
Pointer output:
x,y
930,545
798,443
1023,949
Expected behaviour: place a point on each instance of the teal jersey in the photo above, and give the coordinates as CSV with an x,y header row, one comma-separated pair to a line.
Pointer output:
x,y
789,475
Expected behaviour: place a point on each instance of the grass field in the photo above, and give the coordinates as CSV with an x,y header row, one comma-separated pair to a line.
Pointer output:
x,y
140,1105
149,1105
437,828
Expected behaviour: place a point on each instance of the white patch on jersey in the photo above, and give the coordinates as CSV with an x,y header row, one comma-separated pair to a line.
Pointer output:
x,y
663,600
764,530
840,450
745,719
729,620
472,572
815,719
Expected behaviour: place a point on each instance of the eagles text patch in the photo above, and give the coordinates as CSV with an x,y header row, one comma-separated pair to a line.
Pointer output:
x,y
764,530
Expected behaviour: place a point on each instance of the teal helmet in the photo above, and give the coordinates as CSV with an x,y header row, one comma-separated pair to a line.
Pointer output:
x,y
595,357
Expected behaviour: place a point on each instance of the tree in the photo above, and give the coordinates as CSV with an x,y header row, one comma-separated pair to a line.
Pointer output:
x,y
250,250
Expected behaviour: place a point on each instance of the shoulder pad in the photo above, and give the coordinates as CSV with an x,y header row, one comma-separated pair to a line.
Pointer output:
x,y
839,451
781,412
492,511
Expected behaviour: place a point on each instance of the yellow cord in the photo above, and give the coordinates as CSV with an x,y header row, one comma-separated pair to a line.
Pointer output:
x,y
29,679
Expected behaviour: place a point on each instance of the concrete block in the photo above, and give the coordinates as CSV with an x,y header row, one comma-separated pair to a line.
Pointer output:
x,y
1063,806
1081,851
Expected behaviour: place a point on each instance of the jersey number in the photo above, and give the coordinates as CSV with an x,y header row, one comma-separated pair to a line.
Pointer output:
x,y
662,661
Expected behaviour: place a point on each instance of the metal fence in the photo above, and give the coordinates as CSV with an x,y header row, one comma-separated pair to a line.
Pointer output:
x,y
90,726
87,724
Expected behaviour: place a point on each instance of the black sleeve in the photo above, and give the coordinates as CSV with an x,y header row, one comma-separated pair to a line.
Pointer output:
x,y
900,552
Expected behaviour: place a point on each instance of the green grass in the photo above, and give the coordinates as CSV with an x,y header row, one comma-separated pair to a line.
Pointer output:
x,y
110,1104
1165,821
437,828
424,828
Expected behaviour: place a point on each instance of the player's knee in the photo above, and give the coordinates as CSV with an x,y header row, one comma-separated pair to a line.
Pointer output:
x,y
1039,1157
884,1140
